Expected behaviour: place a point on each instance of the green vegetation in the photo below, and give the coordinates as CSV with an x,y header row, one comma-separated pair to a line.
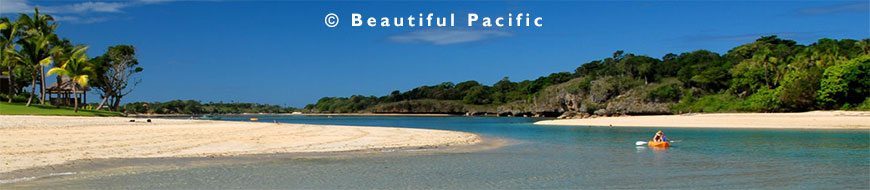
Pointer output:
x,y
36,34
77,68
768,75
29,44
665,93
845,83
192,107
713,103
115,71
429,106
468,92
865,106
22,109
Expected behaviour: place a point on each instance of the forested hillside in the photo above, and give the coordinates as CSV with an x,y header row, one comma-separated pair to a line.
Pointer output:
x,y
768,75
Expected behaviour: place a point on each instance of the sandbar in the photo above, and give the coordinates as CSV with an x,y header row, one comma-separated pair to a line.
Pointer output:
x,y
39,141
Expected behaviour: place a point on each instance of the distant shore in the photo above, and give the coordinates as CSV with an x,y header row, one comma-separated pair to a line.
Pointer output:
x,y
40,141
382,114
308,114
805,120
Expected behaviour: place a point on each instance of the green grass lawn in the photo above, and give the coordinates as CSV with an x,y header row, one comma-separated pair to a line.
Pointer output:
x,y
34,109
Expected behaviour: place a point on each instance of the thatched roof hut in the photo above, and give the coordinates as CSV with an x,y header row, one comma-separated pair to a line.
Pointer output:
x,y
63,89
66,87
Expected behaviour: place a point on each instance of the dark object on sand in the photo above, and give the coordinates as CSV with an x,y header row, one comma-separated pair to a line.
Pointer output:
x,y
132,120
149,120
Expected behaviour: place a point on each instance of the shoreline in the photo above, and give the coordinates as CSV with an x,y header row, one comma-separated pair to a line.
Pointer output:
x,y
114,166
802,120
381,114
29,142
302,114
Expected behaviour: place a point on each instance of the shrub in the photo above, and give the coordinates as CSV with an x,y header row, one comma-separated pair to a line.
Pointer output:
x,y
619,85
665,93
845,82
18,98
711,103
763,100
865,106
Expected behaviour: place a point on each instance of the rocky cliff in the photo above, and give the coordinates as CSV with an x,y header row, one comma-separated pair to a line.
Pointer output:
x,y
577,98
581,98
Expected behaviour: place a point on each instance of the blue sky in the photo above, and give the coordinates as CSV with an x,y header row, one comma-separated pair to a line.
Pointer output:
x,y
281,52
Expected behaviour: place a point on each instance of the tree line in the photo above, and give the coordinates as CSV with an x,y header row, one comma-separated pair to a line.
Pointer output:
x,y
769,74
469,92
193,107
29,44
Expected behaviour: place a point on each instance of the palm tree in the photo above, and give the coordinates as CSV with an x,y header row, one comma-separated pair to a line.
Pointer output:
x,y
39,26
76,68
8,33
34,55
63,50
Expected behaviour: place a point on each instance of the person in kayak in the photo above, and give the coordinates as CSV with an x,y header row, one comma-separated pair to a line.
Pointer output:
x,y
660,137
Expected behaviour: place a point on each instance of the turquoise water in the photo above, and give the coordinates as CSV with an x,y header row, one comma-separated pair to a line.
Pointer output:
x,y
544,157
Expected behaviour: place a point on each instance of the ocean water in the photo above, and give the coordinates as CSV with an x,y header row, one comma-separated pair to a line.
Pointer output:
x,y
538,157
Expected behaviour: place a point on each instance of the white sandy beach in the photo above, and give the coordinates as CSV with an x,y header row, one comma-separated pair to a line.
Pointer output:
x,y
805,120
36,141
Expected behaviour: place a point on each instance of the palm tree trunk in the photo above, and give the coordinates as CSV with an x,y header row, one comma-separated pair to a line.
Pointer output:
x,y
33,91
42,84
75,99
11,89
59,85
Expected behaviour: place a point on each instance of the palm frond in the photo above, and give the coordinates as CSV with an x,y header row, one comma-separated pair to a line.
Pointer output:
x,y
58,71
80,50
82,79
46,61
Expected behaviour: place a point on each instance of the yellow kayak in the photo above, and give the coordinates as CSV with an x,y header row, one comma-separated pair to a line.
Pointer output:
x,y
659,144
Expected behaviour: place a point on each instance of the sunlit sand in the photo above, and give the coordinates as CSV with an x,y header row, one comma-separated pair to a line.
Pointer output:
x,y
806,120
36,141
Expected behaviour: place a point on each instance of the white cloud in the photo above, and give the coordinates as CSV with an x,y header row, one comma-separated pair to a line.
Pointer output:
x,y
22,6
86,7
79,12
154,1
81,20
14,6
851,7
447,37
